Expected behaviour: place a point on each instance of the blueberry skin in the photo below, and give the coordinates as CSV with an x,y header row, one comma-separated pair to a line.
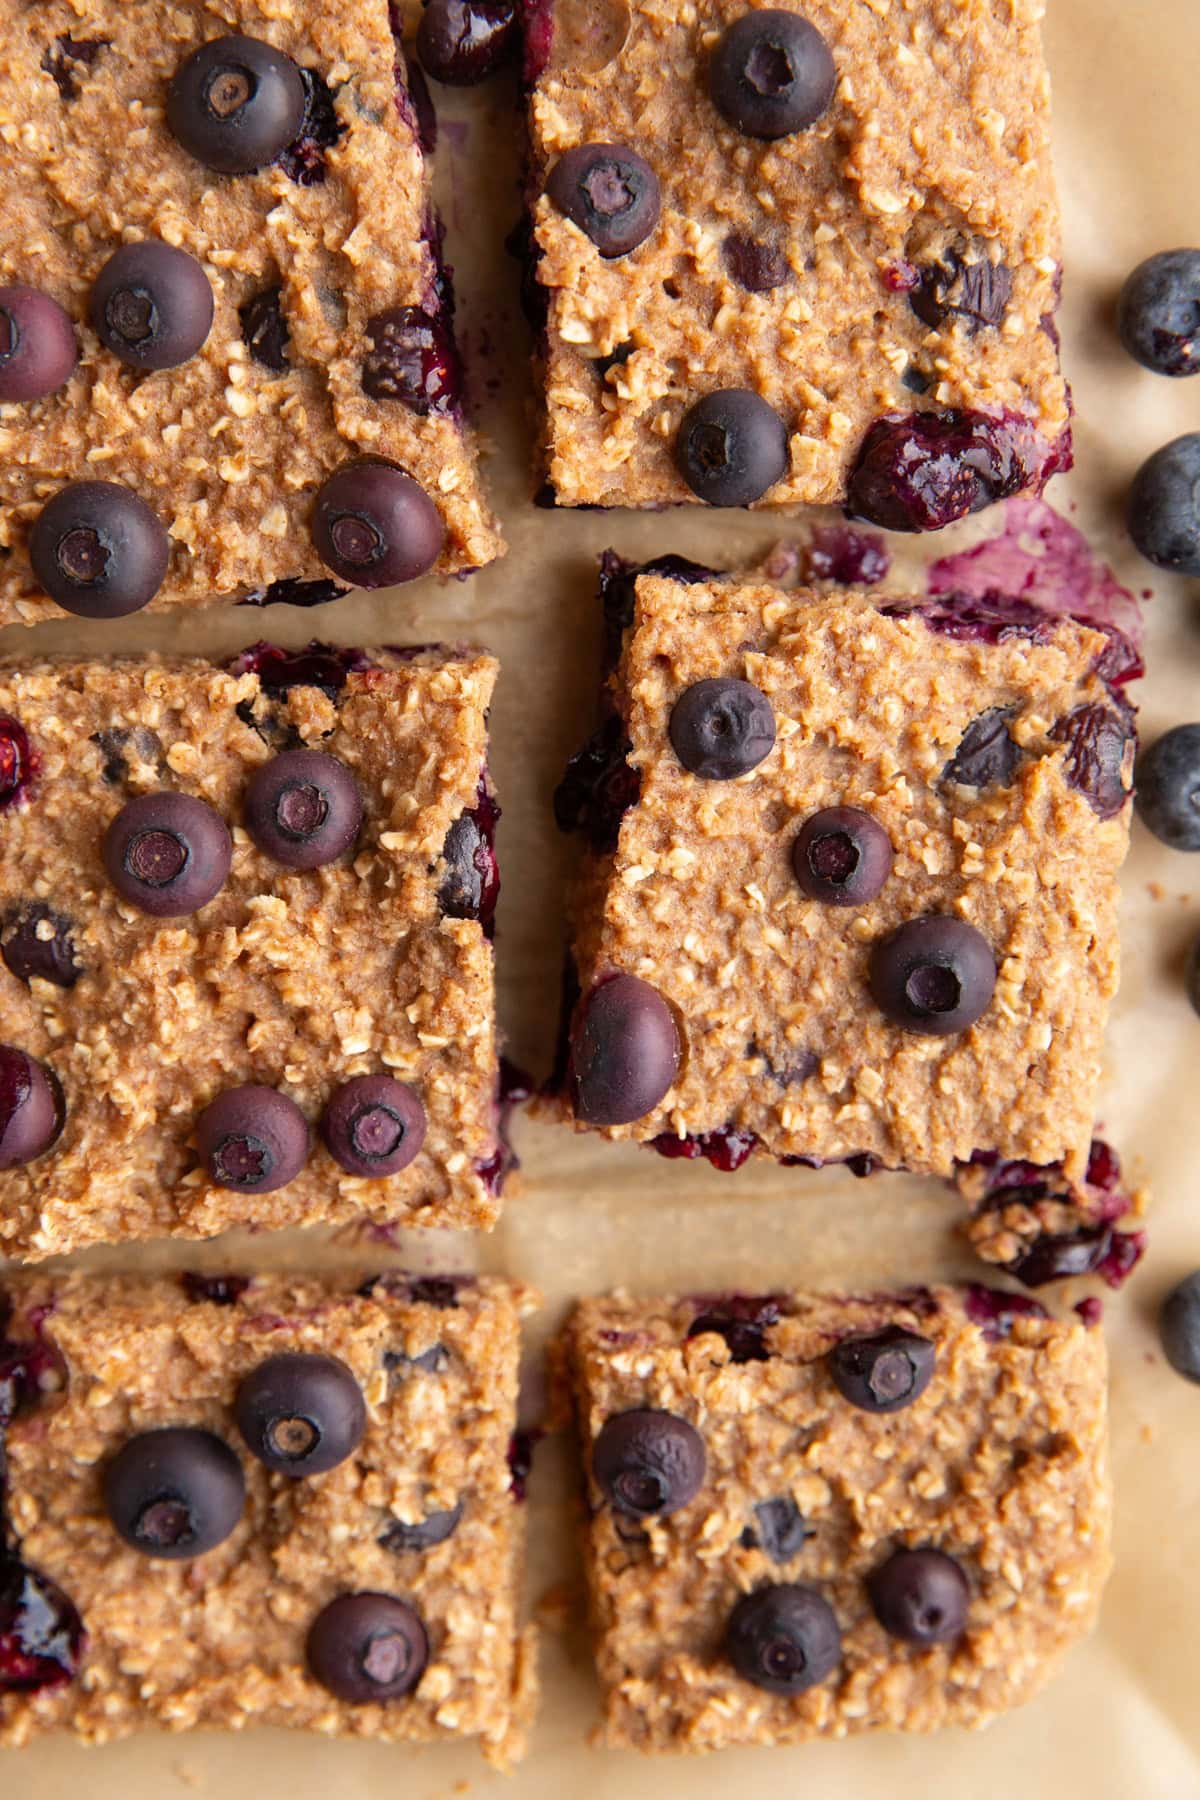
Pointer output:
x,y
38,350
1158,315
236,104
367,1647
885,1372
99,550
1163,513
732,446
842,856
462,42
624,1052
1167,787
374,526
648,1462
934,975
253,1139
301,1413
784,1639
174,1493
374,1126
1179,1327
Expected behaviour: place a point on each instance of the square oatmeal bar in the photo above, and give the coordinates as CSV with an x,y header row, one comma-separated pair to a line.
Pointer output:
x,y
245,921
226,356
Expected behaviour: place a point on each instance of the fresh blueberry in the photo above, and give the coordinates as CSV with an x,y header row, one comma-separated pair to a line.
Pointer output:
x,y
1158,315
757,266
235,104
1167,787
174,1493
731,447
31,1108
265,328
301,1413
152,305
373,1126
168,854
842,856
38,350
934,975
884,1372
367,1647
922,471
1097,741
779,1529
462,42
624,1052
920,1596
433,1529
36,944
374,526
253,1139
412,359
1163,514
648,1462
784,1639
99,550
987,755
303,809
610,192
1179,1327
771,74
721,728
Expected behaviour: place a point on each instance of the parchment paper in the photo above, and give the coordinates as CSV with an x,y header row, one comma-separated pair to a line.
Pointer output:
x,y
1122,1720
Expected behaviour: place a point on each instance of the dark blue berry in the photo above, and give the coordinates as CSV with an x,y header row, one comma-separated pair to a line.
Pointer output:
x,y
1158,315
1167,787
1179,1327
732,446
784,1639
648,1462
1164,506
771,74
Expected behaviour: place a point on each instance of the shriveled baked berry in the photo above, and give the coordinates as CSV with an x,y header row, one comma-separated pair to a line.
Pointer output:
x,y
434,1528
842,856
732,446
412,359
920,1596
367,1647
253,1139
987,755
624,1052
235,104
884,1372
934,975
784,1639
31,1107
98,550
610,192
303,808
374,526
36,944
721,728
779,1529
757,265
301,1413
174,1493
648,1462
771,74
462,42
373,1126
1097,740
168,854
38,347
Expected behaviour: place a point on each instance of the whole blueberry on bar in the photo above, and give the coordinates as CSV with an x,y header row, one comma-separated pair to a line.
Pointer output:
x,y
373,1126
610,192
648,1462
921,1596
374,526
934,975
303,808
412,359
771,74
884,1372
174,1493
168,854
1158,315
253,1139
152,305
722,728
367,1647
784,1639
36,944
301,1413
31,1110
462,42
1179,1327
99,550
236,104
842,856
732,446
38,350
1163,514
1167,787
624,1052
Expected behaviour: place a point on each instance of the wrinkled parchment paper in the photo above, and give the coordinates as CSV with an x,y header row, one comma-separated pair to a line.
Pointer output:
x,y
1121,1721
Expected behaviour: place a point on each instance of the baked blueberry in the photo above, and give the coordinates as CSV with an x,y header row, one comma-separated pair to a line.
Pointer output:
x,y
757,266
36,944
99,550
934,975
174,1493
303,809
265,328
462,42
1179,1327
922,471
168,854
610,192
19,763
253,1139
373,1126
42,1639
987,755
412,359
731,447
374,526
31,1108
842,856
779,1529
784,1639
771,74
648,1462
921,1596
1163,514
152,305
884,1372
1167,787
301,1413
624,1052
366,1647
1158,315
433,1529
38,350
722,728
236,104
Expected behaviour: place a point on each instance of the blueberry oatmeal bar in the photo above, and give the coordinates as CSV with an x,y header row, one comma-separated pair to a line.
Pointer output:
x,y
813,1515
807,253
261,1501
245,922
226,356
848,890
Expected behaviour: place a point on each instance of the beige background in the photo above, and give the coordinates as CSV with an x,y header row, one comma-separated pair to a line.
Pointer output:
x,y
1122,1719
